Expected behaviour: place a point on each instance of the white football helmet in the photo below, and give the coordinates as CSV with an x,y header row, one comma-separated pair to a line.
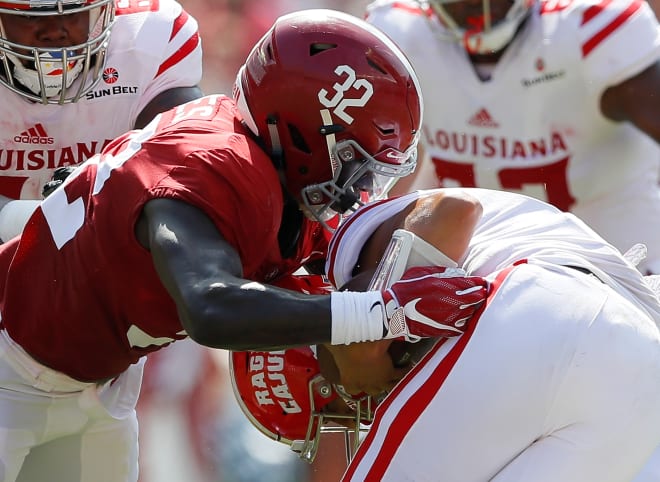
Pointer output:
x,y
45,74
488,31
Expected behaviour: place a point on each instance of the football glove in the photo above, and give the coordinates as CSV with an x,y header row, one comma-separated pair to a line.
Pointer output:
x,y
431,302
426,302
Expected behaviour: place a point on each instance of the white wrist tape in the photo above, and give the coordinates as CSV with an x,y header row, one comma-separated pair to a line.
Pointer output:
x,y
13,217
356,317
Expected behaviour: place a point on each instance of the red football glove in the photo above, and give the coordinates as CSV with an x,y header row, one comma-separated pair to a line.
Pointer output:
x,y
432,302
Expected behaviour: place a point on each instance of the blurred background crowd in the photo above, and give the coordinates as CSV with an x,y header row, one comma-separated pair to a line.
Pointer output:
x,y
191,426
229,28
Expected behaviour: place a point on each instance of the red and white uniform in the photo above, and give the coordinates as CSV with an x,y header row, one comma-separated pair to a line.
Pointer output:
x,y
102,306
536,126
154,46
560,371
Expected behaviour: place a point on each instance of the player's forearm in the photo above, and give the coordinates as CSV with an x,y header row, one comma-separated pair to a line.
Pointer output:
x,y
237,314
254,316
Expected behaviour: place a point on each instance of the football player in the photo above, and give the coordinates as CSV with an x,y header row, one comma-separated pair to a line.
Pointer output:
x,y
75,74
558,100
559,372
175,230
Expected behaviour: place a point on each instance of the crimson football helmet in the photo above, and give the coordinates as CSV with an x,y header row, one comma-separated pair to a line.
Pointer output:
x,y
285,396
336,104
481,29
46,74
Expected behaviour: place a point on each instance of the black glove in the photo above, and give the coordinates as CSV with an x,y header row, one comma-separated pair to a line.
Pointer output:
x,y
60,174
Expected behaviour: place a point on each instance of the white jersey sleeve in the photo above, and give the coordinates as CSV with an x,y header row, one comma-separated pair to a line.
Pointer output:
x,y
167,47
618,39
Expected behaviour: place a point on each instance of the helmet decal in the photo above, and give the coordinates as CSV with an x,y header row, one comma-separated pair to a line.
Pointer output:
x,y
269,383
337,104
285,396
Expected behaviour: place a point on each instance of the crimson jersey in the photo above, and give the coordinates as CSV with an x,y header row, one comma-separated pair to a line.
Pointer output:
x,y
101,304
154,47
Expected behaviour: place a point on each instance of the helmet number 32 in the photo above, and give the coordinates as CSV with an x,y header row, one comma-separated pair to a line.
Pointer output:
x,y
342,98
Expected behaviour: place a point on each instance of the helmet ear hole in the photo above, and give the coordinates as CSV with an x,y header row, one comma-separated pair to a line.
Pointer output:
x,y
298,140
385,131
318,47
376,66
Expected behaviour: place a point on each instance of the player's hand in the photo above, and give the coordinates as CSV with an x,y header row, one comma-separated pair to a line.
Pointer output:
x,y
59,175
432,302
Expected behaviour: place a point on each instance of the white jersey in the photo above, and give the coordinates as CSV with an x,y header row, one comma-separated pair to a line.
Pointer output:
x,y
154,46
512,228
538,381
536,126
557,375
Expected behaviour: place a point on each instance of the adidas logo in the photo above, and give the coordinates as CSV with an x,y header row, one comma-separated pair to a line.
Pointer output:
x,y
34,135
483,119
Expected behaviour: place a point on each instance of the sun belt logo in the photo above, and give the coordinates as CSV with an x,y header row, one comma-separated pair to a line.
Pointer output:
x,y
340,101
543,75
110,75
34,135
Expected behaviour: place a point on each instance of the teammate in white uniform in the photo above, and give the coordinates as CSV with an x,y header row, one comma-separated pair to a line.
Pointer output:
x,y
144,61
558,380
537,104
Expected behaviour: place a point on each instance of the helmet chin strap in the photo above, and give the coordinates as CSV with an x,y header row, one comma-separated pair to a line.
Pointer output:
x,y
330,139
276,152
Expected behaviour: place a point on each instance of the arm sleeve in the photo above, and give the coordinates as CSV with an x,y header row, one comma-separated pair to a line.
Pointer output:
x,y
618,40
172,35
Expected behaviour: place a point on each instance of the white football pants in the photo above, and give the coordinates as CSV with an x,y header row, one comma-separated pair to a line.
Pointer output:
x,y
558,380
56,429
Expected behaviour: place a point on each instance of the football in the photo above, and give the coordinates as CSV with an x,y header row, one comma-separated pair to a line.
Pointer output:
x,y
401,353
404,353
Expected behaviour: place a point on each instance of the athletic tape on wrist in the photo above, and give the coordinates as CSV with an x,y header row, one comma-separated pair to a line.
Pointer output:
x,y
356,317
